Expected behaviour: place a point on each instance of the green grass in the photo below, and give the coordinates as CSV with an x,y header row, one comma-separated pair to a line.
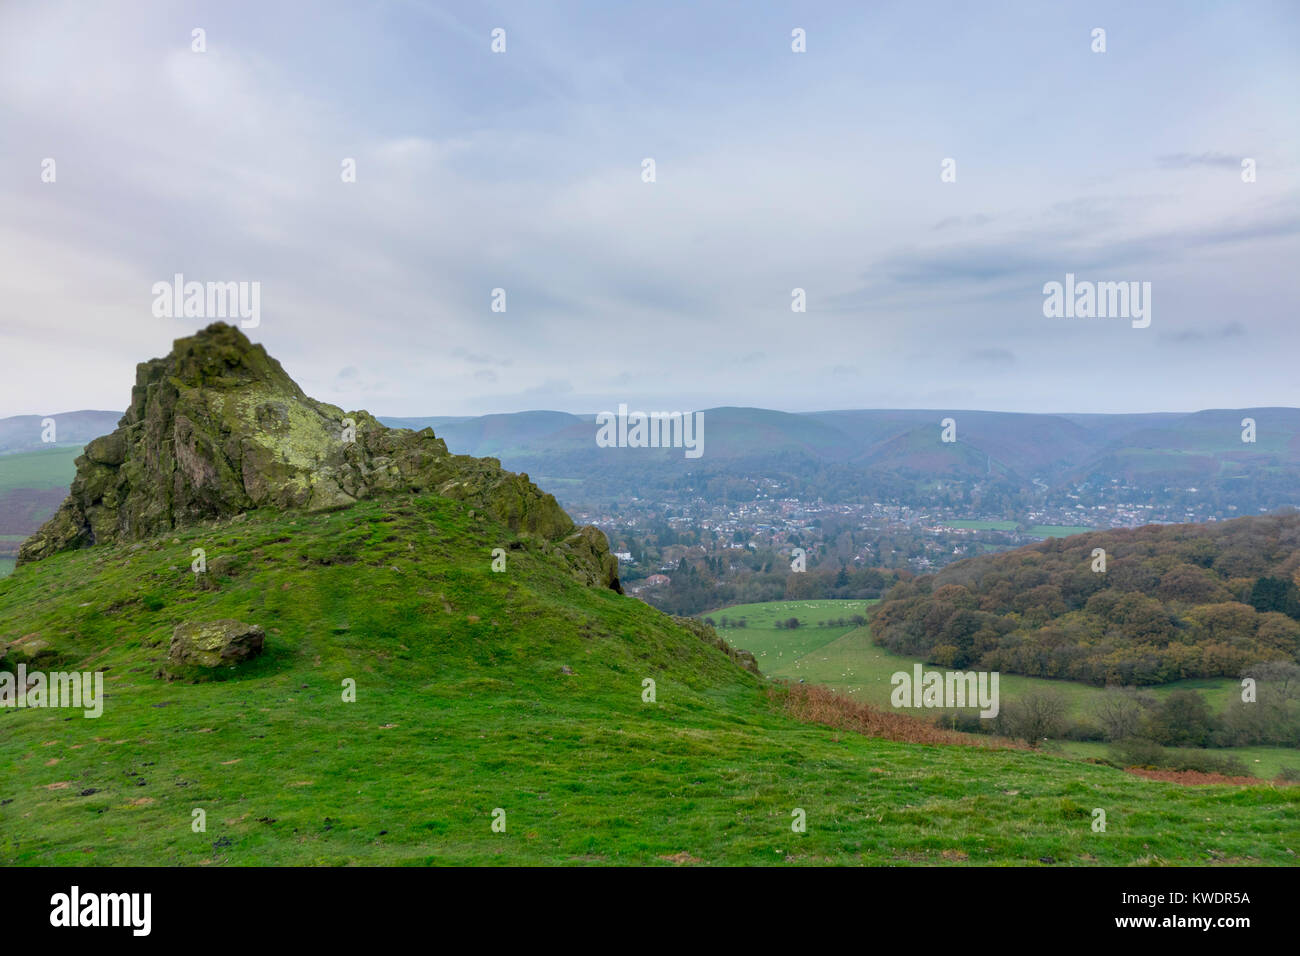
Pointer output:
x,y
1042,530
6,567
1263,762
846,660
47,468
1058,530
761,636
462,707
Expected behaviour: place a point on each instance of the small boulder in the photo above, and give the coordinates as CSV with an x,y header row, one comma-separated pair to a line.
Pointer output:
x,y
28,650
107,450
222,643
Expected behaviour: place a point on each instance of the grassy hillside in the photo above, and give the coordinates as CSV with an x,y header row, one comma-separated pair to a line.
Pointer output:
x,y
464,706
845,659
45,468
32,484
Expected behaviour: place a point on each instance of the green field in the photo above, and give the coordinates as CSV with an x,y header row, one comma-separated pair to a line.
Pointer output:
x,y
1263,762
24,472
1042,530
47,468
1058,530
463,706
846,660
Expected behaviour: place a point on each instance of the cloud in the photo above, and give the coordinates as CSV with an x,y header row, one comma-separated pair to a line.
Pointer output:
x,y
1188,160
1229,330
522,172
977,220
477,358
991,356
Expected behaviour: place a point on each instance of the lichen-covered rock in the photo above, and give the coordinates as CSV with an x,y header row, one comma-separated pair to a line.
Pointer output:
x,y
587,551
218,428
222,643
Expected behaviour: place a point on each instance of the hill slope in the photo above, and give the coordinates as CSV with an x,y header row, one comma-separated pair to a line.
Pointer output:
x,y
1171,602
463,706
1194,457
29,433
442,653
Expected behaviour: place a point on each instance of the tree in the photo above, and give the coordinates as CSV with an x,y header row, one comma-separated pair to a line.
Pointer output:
x,y
1183,719
1119,712
1034,716
1275,594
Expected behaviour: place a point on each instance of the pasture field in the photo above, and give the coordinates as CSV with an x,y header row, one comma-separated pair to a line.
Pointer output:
x,y
47,468
846,660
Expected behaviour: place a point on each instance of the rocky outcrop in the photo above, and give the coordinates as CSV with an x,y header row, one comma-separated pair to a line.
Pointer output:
x,y
217,428
222,643
587,551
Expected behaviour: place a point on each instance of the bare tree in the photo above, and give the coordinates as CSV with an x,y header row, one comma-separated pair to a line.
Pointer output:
x,y
1034,716
1119,711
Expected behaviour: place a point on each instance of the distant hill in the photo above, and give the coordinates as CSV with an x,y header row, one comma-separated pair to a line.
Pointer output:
x,y
896,451
1171,602
24,432
1002,462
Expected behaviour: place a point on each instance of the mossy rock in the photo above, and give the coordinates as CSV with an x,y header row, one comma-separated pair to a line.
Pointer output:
x,y
210,644
218,428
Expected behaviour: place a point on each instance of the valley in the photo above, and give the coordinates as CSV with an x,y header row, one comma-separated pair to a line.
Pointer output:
x,y
447,669
829,649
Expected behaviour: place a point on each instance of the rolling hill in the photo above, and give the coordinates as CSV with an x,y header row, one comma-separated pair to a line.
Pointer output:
x,y
449,674
855,455
1146,605
71,429
851,454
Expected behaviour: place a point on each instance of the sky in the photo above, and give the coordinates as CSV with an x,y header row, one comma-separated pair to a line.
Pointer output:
x,y
774,170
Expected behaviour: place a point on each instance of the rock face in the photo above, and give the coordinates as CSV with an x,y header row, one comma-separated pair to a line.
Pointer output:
x,y
215,644
217,428
587,551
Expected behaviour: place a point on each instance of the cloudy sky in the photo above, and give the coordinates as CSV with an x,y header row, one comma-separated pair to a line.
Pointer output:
x,y
775,170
